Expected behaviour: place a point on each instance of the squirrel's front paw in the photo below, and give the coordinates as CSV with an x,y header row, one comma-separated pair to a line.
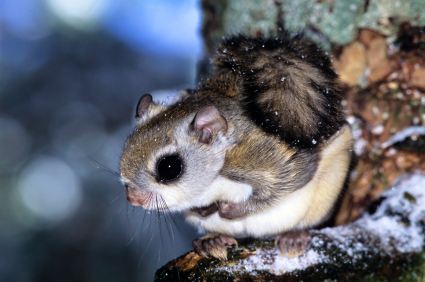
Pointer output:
x,y
294,243
206,211
214,245
229,210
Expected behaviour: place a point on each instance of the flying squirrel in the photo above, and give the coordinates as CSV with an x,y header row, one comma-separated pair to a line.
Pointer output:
x,y
259,149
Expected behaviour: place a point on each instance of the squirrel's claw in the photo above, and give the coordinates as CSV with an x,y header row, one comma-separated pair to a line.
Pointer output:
x,y
214,245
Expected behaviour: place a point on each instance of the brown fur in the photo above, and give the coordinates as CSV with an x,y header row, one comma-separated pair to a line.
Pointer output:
x,y
288,86
271,166
269,141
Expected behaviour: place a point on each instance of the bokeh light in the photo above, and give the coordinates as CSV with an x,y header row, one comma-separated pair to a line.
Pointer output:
x,y
50,188
78,13
71,73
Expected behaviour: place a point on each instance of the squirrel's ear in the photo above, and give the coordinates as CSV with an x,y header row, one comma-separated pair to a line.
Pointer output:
x,y
146,109
143,105
209,121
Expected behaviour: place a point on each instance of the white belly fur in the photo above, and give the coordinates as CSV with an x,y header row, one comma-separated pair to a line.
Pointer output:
x,y
301,209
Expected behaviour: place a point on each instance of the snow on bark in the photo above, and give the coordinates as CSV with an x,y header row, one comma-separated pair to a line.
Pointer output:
x,y
387,241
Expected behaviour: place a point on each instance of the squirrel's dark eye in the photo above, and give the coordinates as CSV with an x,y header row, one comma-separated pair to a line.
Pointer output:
x,y
169,168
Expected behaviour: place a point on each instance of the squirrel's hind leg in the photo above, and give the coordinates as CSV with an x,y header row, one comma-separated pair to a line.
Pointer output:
x,y
293,243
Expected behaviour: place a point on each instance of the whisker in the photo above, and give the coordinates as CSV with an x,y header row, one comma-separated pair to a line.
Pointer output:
x,y
147,233
172,219
168,214
139,212
97,164
143,255
168,225
158,212
132,238
116,198
161,236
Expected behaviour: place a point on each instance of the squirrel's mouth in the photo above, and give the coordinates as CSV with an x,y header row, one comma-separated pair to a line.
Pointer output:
x,y
135,196
147,200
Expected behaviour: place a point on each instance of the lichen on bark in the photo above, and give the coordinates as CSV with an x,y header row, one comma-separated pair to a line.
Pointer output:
x,y
329,22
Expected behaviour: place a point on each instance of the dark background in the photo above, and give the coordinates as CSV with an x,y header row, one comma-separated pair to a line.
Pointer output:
x,y
71,73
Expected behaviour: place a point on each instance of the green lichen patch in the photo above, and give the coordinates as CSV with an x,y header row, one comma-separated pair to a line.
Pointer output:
x,y
328,22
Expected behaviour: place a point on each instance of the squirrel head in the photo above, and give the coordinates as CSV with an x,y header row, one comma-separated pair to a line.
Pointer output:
x,y
173,155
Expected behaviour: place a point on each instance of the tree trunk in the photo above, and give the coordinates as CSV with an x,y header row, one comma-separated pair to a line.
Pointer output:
x,y
378,49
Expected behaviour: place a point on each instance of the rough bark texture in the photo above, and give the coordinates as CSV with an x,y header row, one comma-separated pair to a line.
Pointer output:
x,y
378,49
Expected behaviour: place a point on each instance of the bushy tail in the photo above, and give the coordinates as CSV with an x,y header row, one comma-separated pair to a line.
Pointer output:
x,y
287,85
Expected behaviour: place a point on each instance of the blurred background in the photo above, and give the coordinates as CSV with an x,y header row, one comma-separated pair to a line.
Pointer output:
x,y
71,73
